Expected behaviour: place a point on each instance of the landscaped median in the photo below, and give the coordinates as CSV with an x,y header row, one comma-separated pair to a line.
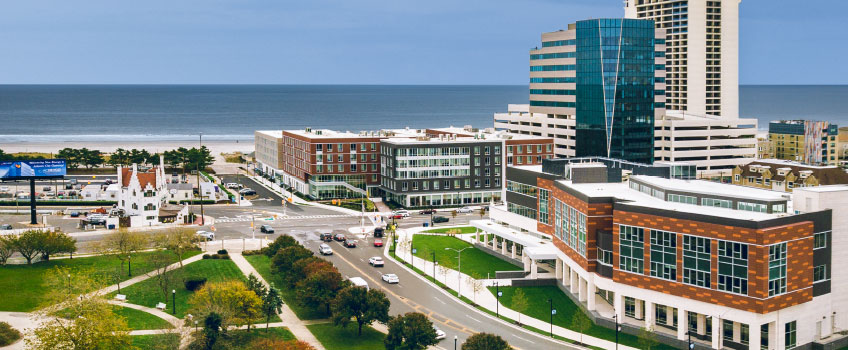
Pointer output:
x,y
535,315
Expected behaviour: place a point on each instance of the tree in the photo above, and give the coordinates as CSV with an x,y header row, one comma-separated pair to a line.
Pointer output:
x,y
166,278
236,304
211,329
482,212
361,304
54,242
272,304
172,158
284,241
444,271
256,285
27,243
303,267
519,303
320,288
284,259
123,244
90,158
71,157
119,157
580,323
485,341
178,241
647,338
477,285
7,248
87,320
279,344
412,331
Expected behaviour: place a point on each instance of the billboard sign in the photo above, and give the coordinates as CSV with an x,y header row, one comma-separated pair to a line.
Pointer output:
x,y
32,169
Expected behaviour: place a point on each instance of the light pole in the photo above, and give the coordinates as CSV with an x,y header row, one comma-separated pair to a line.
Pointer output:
x,y
195,326
200,190
553,312
689,340
174,300
455,340
459,269
498,294
617,329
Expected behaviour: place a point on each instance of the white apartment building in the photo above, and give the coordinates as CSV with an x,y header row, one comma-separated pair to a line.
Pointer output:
x,y
714,144
702,52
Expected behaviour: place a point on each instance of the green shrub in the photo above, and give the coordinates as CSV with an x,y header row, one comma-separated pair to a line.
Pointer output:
x,y
222,251
194,283
207,256
8,335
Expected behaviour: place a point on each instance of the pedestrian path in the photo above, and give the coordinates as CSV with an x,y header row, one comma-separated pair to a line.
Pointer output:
x,y
155,312
484,298
290,320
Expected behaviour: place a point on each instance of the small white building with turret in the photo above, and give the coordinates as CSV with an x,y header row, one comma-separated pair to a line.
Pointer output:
x,y
142,194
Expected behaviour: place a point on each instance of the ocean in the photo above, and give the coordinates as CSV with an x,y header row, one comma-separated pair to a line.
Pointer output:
x,y
49,113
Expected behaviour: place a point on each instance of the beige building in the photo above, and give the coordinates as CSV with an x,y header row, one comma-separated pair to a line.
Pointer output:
x,y
765,148
702,52
784,176
269,149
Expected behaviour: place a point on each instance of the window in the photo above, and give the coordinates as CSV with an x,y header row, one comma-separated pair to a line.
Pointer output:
x,y
521,210
820,273
727,330
733,267
340,168
329,147
631,248
736,178
679,198
604,257
544,195
755,207
744,334
319,147
629,307
713,202
790,339
696,261
820,240
664,255
777,269
340,158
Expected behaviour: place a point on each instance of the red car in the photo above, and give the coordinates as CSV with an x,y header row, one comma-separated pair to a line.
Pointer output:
x,y
378,242
349,243
396,216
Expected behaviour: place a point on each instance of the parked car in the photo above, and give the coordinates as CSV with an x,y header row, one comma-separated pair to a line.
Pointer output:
x,y
232,185
75,214
247,192
266,229
209,236
327,237
465,210
340,237
427,211
97,219
4,188
390,278
378,232
378,242
375,261
5,227
350,243
440,334
440,219
46,188
325,249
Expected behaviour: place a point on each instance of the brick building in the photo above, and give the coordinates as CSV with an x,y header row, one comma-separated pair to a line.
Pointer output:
x,y
733,267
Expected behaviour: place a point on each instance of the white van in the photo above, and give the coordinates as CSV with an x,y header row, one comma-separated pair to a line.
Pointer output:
x,y
358,282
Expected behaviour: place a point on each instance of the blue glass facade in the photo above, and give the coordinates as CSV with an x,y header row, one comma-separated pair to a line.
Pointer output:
x,y
615,89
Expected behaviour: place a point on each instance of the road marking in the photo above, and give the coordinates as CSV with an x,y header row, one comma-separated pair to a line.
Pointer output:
x,y
527,340
473,318
440,300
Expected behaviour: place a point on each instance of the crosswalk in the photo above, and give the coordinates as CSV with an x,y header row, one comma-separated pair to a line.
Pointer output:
x,y
280,217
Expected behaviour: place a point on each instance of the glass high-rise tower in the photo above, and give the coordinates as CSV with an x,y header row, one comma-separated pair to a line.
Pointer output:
x,y
607,75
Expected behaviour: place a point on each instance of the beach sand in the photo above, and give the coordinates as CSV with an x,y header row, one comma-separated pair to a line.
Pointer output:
x,y
215,147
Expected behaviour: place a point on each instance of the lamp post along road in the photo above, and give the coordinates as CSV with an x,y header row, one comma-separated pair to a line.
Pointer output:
x,y
200,190
174,300
458,270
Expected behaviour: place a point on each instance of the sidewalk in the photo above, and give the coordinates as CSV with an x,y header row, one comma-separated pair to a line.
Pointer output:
x,y
155,312
290,320
488,301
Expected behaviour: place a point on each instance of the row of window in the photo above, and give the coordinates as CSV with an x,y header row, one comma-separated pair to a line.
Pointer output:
x,y
553,68
439,184
555,80
570,226
340,168
545,56
320,158
559,43
553,104
521,210
521,188
519,149
553,92
320,147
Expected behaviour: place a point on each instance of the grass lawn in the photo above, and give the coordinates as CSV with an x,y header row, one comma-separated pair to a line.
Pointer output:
x,y
463,229
538,308
137,319
262,264
155,341
337,338
474,261
32,278
147,293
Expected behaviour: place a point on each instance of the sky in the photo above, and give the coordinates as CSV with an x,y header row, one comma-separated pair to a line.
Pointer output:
x,y
362,41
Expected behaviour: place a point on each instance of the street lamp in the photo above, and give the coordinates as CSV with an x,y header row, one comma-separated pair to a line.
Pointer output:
x,y
459,270
200,190
498,295
617,329
689,340
455,340
553,312
174,300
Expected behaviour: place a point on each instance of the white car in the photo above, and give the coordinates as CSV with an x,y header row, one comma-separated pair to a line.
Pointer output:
x,y
401,212
231,185
325,249
390,278
4,188
440,334
375,261
465,210
209,236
